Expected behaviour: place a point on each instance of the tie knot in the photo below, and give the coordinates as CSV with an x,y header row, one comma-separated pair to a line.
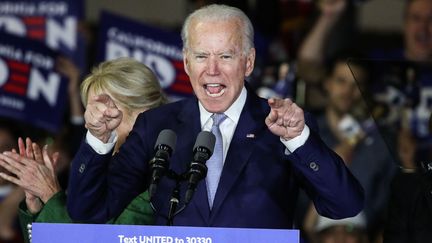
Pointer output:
x,y
218,118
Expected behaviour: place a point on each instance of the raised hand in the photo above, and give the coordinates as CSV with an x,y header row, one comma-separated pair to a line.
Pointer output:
x,y
285,119
102,116
26,150
332,7
38,180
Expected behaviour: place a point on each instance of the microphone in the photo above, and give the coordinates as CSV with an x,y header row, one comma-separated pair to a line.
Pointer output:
x,y
164,147
202,151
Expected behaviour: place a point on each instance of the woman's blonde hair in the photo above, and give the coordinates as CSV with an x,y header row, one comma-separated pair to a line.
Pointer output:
x,y
130,83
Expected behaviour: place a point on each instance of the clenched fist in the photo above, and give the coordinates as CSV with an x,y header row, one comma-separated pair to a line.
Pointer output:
x,y
102,116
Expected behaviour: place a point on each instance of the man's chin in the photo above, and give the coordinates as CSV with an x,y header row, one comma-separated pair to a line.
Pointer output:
x,y
215,106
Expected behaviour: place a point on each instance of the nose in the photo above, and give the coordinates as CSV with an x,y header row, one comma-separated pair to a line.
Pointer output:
x,y
212,66
348,88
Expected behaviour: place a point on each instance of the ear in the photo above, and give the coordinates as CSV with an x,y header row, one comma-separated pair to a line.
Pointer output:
x,y
185,61
250,62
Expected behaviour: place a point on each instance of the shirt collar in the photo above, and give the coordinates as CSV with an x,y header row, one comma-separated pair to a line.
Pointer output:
x,y
233,112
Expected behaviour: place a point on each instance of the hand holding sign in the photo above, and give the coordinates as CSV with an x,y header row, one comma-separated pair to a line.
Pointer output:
x,y
102,116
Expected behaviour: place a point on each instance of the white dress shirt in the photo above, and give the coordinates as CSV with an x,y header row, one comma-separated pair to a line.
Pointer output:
x,y
228,126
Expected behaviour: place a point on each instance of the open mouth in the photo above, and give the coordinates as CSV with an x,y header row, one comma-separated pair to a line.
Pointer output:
x,y
214,90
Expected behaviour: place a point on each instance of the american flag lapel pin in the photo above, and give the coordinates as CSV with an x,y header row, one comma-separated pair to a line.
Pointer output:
x,y
250,135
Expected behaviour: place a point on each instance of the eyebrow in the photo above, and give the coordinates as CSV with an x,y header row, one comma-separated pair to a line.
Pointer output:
x,y
232,52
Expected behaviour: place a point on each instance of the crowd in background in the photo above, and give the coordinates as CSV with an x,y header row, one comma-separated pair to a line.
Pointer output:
x,y
304,56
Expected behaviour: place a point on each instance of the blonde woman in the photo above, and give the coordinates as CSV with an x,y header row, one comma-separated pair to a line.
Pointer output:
x,y
131,87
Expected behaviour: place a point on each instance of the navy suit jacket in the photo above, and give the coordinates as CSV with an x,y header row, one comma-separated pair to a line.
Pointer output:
x,y
258,186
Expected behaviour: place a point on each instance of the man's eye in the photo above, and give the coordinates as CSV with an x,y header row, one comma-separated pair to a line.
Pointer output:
x,y
226,57
200,57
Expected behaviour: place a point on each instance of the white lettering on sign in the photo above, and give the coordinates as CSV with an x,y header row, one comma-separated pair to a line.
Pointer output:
x,y
40,86
161,66
57,33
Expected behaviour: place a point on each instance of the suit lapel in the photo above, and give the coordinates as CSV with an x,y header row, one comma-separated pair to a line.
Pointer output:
x,y
186,129
250,125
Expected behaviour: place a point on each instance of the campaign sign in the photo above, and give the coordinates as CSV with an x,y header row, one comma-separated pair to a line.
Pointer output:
x,y
30,90
53,22
105,233
160,50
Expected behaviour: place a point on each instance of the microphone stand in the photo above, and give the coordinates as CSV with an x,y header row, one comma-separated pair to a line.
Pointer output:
x,y
175,197
197,170
174,201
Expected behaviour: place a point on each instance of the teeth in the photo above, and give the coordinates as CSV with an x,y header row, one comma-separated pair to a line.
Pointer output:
x,y
210,90
217,94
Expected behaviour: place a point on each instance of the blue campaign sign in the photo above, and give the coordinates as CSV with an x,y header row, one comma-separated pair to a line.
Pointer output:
x,y
53,22
104,233
159,49
30,90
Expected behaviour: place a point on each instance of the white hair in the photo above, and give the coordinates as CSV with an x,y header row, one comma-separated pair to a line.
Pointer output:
x,y
220,12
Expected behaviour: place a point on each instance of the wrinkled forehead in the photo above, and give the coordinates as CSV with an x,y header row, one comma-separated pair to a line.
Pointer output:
x,y
215,33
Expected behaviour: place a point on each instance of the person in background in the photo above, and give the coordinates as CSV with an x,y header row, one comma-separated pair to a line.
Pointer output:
x,y
9,193
409,217
267,149
348,230
312,48
135,89
348,128
415,83
73,131
418,30
312,56
417,34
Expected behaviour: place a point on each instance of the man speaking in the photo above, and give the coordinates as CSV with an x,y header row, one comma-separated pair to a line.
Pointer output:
x,y
265,150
